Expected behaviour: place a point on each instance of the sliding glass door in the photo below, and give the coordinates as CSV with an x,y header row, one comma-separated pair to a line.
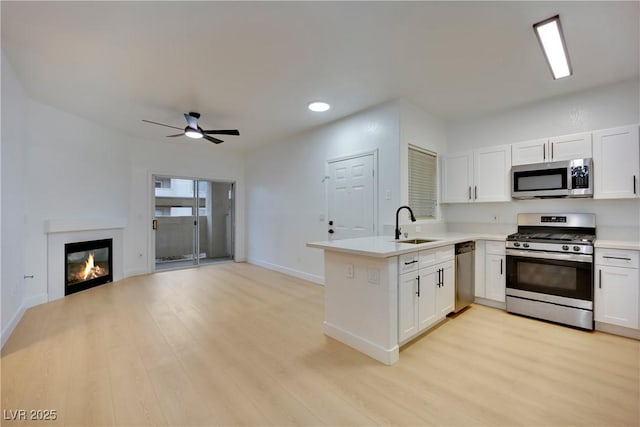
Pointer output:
x,y
193,221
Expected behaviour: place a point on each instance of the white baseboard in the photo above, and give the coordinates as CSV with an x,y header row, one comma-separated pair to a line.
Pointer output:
x,y
36,300
289,271
6,332
618,330
491,303
384,355
135,272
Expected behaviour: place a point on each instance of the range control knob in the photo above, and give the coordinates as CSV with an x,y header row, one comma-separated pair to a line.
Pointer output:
x,y
516,244
565,247
525,245
576,248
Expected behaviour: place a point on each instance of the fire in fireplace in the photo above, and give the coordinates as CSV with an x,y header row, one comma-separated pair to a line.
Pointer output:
x,y
87,264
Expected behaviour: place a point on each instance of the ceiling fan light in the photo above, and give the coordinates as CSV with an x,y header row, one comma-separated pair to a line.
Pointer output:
x,y
193,133
318,106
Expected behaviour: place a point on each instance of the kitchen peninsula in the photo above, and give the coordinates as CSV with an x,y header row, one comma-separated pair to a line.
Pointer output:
x,y
380,293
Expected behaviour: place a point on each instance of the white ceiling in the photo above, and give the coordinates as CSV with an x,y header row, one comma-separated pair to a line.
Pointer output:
x,y
256,65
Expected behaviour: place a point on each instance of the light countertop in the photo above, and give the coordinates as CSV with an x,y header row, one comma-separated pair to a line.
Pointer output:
x,y
617,244
386,246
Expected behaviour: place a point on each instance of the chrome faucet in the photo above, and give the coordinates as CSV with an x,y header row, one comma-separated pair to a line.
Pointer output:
x,y
413,219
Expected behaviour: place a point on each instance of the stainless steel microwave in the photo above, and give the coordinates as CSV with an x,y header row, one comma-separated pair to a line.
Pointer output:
x,y
570,178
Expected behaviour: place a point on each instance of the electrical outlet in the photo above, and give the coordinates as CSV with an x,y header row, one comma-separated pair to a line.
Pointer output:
x,y
350,271
373,276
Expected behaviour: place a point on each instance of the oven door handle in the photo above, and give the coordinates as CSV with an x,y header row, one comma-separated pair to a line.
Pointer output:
x,y
550,255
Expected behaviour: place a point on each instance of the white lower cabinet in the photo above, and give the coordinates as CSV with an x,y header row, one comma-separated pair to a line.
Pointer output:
x,y
407,306
617,282
491,274
496,279
427,293
427,298
446,293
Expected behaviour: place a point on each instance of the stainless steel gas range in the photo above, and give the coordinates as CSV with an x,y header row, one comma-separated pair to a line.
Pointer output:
x,y
550,268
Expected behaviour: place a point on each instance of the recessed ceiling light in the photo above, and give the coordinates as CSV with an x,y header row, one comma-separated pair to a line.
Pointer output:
x,y
549,33
319,106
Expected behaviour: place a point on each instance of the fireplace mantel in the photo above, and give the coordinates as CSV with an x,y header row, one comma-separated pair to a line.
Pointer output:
x,y
83,224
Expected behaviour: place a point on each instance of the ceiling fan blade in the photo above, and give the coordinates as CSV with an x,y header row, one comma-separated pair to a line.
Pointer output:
x,y
212,139
177,134
192,121
222,132
161,124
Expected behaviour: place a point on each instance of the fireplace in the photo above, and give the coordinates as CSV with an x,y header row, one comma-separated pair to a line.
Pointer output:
x,y
87,264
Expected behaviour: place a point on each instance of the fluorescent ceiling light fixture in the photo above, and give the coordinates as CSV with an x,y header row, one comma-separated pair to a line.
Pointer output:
x,y
193,133
319,106
549,33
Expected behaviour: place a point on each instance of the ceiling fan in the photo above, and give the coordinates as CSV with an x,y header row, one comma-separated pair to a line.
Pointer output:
x,y
194,131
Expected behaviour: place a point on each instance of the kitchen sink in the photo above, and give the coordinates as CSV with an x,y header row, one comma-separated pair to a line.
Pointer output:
x,y
416,241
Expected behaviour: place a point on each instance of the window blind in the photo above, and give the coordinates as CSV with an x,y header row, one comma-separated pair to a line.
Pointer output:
x,y
423,183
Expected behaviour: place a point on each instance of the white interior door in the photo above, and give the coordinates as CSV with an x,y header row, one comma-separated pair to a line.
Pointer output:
x,y
351,197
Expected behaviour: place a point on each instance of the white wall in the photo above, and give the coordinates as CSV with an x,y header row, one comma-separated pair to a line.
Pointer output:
x,y
182,159
65,168
76,170
601,108
13,161
286,198
419,128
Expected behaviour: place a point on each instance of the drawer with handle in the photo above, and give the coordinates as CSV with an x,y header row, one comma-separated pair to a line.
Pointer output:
x,y
408,262
618,258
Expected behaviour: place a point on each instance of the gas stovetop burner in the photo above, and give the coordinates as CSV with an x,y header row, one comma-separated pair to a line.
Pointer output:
x,y
553,237
574,233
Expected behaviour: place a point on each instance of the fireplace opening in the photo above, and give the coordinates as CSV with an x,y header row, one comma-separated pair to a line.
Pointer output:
x,y
87,264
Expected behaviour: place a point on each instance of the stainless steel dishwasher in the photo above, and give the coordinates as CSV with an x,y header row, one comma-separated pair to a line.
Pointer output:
x,y
465,274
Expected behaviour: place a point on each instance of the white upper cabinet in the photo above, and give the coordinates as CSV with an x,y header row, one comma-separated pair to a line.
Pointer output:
x,y
477,176
457,177
616,163
567,147
492,174
528,152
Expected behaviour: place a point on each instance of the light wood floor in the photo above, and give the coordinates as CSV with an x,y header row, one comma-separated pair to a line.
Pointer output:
x,y
234,344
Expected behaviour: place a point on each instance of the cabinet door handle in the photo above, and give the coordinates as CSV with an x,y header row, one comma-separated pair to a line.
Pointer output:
x,y
469,192
552,150
616,257
475,191
154,224
634,185
410,262
600,278
418,293
501,267
544,152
